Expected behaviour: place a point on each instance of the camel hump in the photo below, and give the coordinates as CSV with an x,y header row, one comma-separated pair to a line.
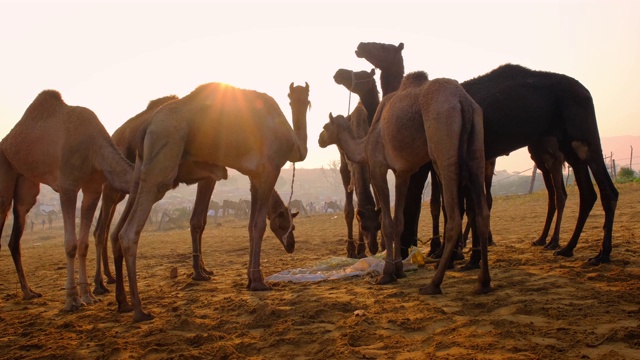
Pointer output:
x,y
414,79
154,104
47,104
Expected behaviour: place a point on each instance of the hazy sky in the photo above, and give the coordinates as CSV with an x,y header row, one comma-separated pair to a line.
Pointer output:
x,y
114,57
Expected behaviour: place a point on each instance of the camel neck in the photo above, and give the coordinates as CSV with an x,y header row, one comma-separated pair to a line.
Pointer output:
x,y
370,101
390,79
299,119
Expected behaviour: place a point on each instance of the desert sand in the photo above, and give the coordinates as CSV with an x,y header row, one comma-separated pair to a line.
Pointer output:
x,y
541,307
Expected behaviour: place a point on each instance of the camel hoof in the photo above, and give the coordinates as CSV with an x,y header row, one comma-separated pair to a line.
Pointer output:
x,y
599,259
564,252
471,265
430,290
201,277
482,289
552,245
73,304
89,299
386,279
259,286
125,307
111,280
30,294
400,274
100,289
139,316
539,242
207,272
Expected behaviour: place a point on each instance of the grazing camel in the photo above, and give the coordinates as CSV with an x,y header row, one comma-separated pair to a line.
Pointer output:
x,y
298,205
388,58
424,121
124,138
67,148
522,107
364,85
332,205
229,205
215,124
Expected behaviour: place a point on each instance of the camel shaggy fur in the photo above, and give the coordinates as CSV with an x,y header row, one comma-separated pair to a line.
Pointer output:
x,y
67,148
424,121
216,124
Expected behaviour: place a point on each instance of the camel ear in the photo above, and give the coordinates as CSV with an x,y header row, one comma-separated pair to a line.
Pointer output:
x,y
291,87
373,72
330,117
306,85
401,46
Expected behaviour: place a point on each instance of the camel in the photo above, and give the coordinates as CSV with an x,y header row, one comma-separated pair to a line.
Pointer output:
x,y
298,205
540,105
124,138
388,58
424,121
356,176
332,205
243,209
215,124
229,205
67,148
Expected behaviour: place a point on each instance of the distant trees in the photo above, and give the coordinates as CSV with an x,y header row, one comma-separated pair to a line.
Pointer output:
x,y
626,174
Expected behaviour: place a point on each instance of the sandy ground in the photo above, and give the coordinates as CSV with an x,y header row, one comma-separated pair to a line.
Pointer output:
x,y
542,307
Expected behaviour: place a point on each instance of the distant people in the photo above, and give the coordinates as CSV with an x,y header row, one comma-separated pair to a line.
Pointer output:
x,y
32,223
43,223
50,220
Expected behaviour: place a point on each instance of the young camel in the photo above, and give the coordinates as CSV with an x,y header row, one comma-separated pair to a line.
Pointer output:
x,y
388,58
214,124
67,148
364,85
424,121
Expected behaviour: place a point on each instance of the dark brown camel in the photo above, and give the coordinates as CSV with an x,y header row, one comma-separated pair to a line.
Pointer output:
x,y
364,85
522,107
67,148
424,121
298,205
333,206
388,58
229,205
222,125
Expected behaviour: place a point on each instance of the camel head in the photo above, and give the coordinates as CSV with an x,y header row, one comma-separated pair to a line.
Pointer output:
x,y
370,224
331,130
356,81
281,224
382,56
299,95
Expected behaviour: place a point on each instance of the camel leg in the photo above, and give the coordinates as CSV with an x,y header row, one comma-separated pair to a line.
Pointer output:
x,y
197,223
452,233
68,197
551,211
25,196
412,208
560,199
90,199
349,211
477,203
609,201
261,189
402,183
436,205
587,200
381,187
110,198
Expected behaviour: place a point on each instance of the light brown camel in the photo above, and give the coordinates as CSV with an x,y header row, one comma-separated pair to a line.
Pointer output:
x,y
364,85
67,148
215,124
424,121
125,138
388,58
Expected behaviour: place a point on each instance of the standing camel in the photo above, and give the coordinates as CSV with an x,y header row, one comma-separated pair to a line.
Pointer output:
x,y
364,85
521,108
125,139
215,124
424,121
388,58
67,148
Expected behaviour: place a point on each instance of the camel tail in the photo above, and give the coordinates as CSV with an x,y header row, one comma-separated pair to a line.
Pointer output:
x,y
466,135
116,168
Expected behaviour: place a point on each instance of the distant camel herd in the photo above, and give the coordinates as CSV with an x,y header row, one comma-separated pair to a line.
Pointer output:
x,y
452,131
